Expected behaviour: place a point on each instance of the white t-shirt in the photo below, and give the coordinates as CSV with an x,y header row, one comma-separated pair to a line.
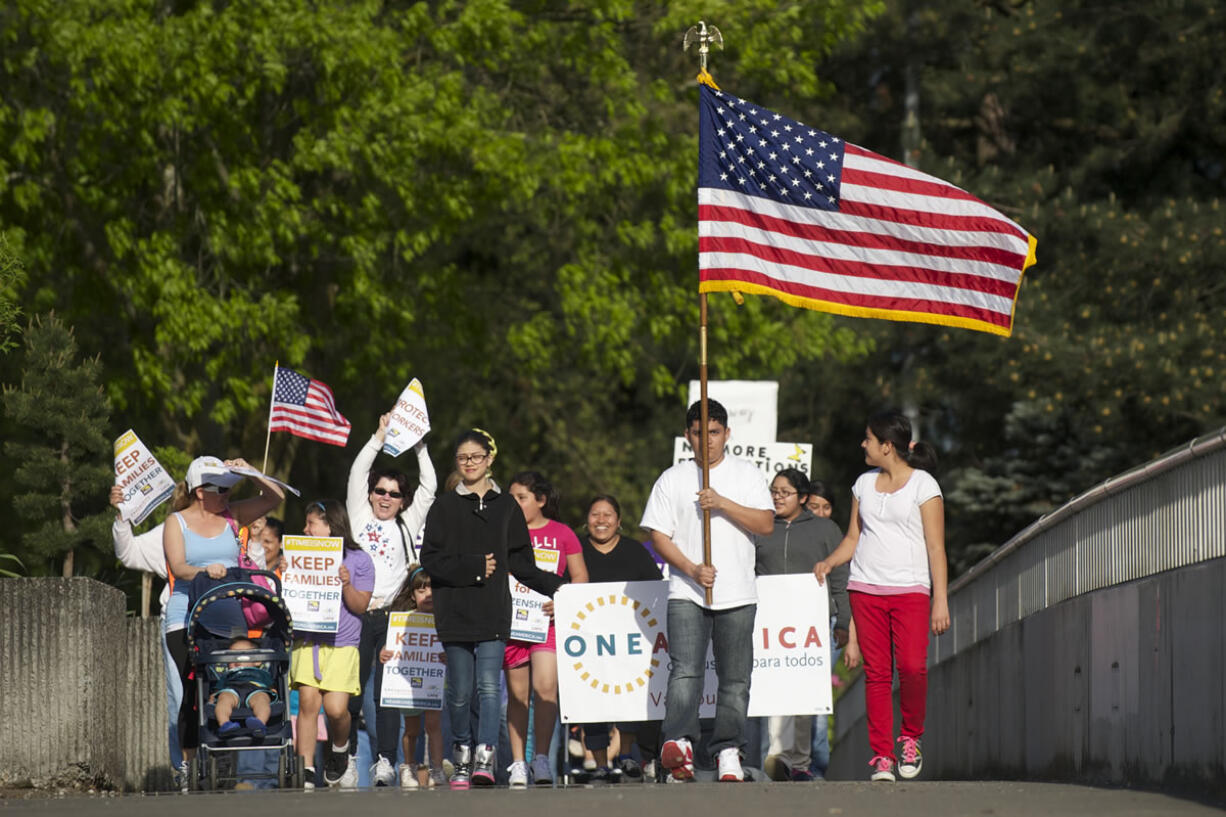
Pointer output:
x,y
891,556
672,509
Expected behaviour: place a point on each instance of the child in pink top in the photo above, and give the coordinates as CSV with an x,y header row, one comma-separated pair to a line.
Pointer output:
x,y
534,667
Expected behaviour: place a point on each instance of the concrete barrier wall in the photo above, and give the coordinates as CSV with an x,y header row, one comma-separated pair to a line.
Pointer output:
x,y
1124,685
82,698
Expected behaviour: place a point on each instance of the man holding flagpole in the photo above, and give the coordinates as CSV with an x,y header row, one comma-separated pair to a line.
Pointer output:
x,y
740,505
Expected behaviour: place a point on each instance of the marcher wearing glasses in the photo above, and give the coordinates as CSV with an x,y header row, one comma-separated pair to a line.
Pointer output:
x,y
799,541
386,526
475,538
204,537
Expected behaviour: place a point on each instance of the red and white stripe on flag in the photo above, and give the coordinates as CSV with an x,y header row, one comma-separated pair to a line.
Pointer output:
x,y
305,407
797,214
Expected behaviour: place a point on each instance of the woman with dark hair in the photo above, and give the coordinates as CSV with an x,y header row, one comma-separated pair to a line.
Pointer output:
x,y
898,584
800,540
531,668
324,667
475,538
611,557
821,499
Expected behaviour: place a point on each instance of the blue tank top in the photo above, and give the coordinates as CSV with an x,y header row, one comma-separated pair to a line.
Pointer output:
x,y
200,551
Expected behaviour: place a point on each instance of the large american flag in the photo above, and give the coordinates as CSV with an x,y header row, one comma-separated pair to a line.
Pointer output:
x,y
791,211
305,407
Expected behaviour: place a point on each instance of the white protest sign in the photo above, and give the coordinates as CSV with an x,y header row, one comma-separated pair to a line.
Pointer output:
x,y
413,677
144,481
252,472
752,406
529,621
409,421
613,651
311,583
769,458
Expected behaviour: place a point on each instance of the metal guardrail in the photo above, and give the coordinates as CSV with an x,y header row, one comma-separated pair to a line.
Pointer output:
x,y
1166,514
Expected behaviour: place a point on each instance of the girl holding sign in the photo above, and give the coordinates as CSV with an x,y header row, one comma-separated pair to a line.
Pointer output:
x,y
417,595
324,666
475,539
898,584
532,667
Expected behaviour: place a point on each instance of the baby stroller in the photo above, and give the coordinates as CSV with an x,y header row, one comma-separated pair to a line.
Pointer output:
x,y
216,620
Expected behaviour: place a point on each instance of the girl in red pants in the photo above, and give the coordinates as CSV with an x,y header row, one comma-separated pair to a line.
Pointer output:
x,y
896,544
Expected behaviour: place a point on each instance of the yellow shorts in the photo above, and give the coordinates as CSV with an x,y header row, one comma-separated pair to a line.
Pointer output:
x,y
338,668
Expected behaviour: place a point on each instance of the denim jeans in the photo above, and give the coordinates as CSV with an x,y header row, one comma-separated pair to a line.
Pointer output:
x,y
730,634
467,660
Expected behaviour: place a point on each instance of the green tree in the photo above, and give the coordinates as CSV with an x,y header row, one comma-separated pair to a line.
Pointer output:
x,y
10,312
63,464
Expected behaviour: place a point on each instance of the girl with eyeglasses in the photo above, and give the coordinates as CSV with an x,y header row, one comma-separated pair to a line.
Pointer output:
x,y
324,666
202,536
800,540
898,584
386,525
475,538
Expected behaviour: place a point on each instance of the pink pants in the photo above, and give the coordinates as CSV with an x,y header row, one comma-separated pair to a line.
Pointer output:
x,y
893,630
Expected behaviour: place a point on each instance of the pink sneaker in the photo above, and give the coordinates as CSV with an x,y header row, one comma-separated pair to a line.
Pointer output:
x,y
883,769
678,757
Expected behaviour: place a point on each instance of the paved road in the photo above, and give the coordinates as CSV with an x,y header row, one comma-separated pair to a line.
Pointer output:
x,y
926,799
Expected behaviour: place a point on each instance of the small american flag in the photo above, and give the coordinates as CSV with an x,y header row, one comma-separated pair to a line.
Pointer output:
x,y
305,407
790,211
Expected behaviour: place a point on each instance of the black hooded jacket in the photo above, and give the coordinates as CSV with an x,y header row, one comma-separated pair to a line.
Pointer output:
x,y
460,530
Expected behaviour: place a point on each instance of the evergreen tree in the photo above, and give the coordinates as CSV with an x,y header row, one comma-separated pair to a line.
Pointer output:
x,y
63,464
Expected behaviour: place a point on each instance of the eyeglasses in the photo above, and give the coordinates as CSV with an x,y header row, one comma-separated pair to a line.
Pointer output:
x,y
477,459
781,494
386,492
215,489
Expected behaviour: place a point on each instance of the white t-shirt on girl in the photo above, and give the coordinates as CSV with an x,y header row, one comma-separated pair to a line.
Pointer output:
x,y
891,557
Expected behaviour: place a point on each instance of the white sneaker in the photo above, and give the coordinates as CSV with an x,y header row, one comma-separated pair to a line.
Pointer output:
x,y
382,773
728,765
408,776
438,778
542,770
349,780
518,778
678,757
183,777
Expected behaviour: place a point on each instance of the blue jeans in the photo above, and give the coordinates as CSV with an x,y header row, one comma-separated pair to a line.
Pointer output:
x,y
730,634
466,660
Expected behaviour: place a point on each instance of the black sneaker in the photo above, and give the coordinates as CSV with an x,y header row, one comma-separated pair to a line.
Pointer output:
x,y
628,767
335,766
603,775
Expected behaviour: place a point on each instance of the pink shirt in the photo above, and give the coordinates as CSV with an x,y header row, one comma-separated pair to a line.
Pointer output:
x,y
552,544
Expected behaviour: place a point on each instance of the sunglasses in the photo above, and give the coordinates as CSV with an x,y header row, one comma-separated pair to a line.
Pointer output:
x,y
215,489
385,492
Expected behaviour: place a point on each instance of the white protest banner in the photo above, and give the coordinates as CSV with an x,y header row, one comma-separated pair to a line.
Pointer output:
x,y
413,677
311,583
752,405
769,458
529,621
145,483
252,472
409,421
613,651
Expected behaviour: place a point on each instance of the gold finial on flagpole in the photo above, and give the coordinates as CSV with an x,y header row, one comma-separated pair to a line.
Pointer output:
x,y
705,36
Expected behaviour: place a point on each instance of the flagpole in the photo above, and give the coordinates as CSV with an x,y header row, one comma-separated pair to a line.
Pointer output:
x,y
703,35
701,447
272,398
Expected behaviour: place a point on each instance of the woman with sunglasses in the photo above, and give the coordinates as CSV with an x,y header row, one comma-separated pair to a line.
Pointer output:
x,y
202,535
385,525
475,538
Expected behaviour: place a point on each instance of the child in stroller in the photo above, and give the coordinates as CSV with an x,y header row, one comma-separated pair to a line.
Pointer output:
x,y
244,683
